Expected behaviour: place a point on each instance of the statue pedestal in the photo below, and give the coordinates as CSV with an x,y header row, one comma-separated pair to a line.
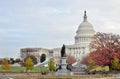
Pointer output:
x,y
63,71
63,62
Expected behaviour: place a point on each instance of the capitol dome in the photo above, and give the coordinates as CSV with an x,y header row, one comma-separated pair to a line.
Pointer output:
x,y
85,31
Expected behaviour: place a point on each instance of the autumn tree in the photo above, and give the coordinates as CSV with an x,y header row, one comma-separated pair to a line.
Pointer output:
x,y
52,65
70,59
5,64
90,64
34,59
42,58
104,48
115,64
29,64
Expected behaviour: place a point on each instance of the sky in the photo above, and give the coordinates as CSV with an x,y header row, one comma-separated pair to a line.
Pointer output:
x,y
51,23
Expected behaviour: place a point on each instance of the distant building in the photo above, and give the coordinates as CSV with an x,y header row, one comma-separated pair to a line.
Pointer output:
x,y
37,52
84,35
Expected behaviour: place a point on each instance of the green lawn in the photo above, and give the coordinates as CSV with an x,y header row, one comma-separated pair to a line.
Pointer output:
x,y
23,69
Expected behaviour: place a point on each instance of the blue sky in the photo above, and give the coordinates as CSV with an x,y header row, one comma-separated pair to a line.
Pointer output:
x,y
51,23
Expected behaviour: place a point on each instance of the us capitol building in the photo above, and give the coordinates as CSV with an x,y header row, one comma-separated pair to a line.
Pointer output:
x,y
84,35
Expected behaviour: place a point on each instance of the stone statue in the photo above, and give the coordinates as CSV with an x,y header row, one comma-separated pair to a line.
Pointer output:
x,y
63,51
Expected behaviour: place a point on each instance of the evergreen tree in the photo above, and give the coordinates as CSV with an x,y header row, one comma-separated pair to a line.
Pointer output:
x,y
42,58
29,64
5,64
51,64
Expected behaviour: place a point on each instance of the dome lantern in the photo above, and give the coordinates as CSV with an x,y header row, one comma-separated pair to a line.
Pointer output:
x,y
85,16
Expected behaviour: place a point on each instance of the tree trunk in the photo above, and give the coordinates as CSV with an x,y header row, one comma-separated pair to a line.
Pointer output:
x,y
110,67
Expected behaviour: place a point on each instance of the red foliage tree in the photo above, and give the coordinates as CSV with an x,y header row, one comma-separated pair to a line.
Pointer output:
x,y
104,48
70,59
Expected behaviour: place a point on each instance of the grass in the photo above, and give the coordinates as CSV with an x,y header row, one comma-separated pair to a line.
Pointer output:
x,y
45,69
23,69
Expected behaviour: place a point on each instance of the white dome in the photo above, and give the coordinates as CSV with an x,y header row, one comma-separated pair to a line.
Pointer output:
x,y
85,28
85,31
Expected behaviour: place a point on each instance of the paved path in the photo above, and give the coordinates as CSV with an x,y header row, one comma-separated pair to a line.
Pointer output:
x,y
117,76
6,77
38,75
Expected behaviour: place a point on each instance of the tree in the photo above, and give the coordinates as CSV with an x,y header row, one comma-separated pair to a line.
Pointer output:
x,y
42,58
70,59
5,64
29,64
17,60
115,64
90,64
51,64
108,41
104,48
12,61
34,59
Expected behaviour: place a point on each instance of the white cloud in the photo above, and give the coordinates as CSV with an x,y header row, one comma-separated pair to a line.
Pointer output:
x,y
2,20
51,23
111,27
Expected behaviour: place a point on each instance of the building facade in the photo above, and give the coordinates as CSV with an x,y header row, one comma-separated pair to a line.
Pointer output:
x,y
37,52
84,35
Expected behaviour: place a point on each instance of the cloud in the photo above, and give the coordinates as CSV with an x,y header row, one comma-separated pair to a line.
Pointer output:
x,y
112,27
3,20
49,24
